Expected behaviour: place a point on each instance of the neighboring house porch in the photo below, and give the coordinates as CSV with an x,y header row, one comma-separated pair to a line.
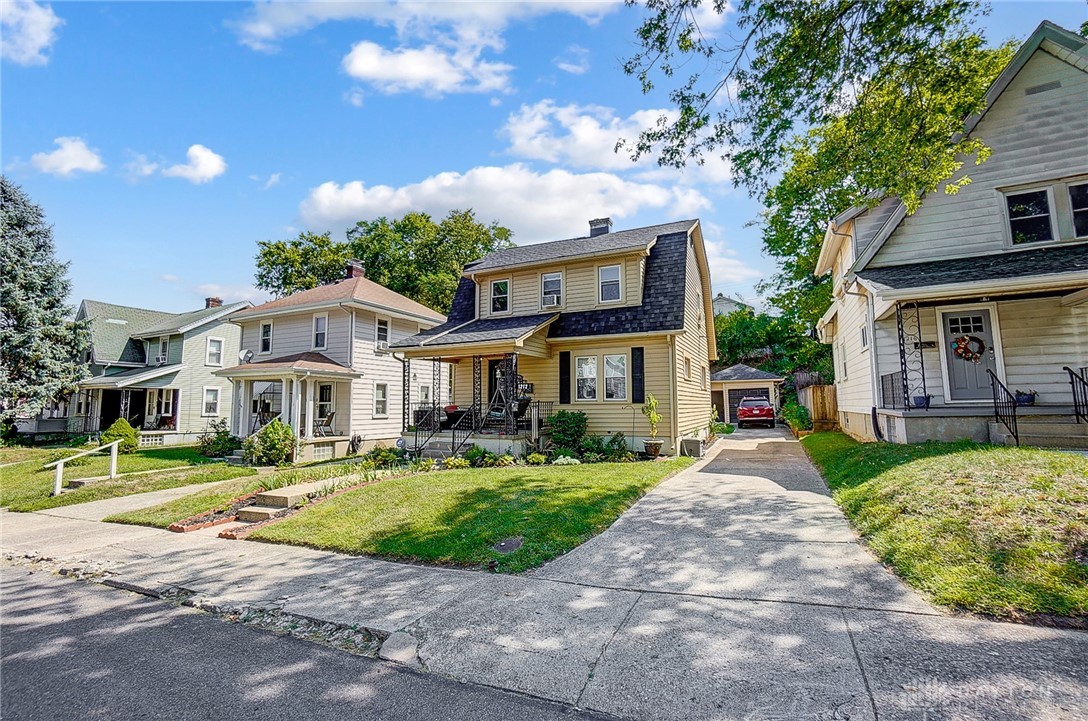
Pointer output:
x,y
309,392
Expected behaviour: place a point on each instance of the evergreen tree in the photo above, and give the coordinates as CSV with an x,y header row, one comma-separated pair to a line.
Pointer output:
x,y
40,345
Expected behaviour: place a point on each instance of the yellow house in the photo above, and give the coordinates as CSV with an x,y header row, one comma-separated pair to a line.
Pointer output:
x,y
592,324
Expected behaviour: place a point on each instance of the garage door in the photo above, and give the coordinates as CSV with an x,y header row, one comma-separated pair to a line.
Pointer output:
x,y
736,394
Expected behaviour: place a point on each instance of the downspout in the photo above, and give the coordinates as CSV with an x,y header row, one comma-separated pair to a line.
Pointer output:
x,y
674,402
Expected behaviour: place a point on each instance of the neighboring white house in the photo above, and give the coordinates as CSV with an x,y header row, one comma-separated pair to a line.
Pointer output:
x,y
151,367
320,360
724,305
941,316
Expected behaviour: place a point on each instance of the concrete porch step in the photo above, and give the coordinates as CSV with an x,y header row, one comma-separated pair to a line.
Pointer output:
x,y
256,514
1051,428
1042,441
286,497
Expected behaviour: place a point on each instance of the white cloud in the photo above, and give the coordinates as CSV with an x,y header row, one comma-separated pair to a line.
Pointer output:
x,y
28,30
233,293
536,206
430,70
574,61
495,102
203,165
585,136
354,97
273,179
71,156
140,166
169,277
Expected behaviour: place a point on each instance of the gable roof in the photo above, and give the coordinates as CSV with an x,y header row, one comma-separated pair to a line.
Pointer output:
x,y
608,243
1051,38
183,322
112,327
350,290
741,372
308,362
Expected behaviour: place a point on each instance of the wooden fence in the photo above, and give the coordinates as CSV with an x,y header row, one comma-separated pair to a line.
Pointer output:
x,y
821,405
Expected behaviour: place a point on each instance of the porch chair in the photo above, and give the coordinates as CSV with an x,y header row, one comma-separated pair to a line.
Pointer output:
x,y
323,427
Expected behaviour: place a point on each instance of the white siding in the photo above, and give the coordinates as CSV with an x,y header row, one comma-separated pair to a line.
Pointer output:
x,y
854,388
1037,137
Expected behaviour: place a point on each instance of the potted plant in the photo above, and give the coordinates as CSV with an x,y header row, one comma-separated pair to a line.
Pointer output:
x,y
922,401
652,444
1026,398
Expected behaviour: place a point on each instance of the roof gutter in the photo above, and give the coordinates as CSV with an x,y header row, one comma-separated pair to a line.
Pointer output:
x,y
1002,286
639,248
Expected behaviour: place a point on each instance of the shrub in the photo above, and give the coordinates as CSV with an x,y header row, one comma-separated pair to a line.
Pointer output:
x,y
536,459
649,409
488,460
505,460
423,465
59,455
718,428
617,443
386,457
273,445
129,436
473,454
568,428
796,415
592,457
566,461
455,462
593,445
216,441
564,453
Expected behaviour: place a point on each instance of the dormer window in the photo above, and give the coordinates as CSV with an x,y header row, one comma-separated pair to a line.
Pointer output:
x,y
321,331
1030,217
500,296
551,290
608,277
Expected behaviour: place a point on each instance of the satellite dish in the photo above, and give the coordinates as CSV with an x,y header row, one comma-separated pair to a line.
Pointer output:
x,y
245,356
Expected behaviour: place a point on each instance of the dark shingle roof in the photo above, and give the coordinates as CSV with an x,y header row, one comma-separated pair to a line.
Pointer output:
x,y
486,330
558,249
1020,264
112,327
741,372
176,322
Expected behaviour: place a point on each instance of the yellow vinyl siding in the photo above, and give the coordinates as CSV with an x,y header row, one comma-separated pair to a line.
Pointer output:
x,y
693,395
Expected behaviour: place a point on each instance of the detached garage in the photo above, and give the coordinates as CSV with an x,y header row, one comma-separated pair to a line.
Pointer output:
x,y
729,385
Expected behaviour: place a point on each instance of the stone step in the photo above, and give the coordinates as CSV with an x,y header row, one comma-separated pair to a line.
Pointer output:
x,y
286,497
238,453
1044,441
256,514
1055,428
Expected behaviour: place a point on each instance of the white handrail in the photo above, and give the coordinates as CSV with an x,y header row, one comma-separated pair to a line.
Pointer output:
x,y
58,478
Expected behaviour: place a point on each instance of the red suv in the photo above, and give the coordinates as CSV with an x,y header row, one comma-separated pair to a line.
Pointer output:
x,y
755,410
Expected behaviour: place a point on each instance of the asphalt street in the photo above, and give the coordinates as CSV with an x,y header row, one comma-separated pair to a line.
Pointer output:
x,y
76,650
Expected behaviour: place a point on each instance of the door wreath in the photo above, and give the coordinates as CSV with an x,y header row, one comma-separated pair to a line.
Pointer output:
x,y
969,347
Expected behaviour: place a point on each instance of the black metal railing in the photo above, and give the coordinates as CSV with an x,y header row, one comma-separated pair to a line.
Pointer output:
x,y
536,417
1079,382
462,429
1004,405
891,391
426,422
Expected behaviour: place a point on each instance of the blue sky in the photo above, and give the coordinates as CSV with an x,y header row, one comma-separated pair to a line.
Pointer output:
x,y
165,139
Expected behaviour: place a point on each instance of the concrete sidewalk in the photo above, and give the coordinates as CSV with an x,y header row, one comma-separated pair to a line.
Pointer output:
x,y
735,590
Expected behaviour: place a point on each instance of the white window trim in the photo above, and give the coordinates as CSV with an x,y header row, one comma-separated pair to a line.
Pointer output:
x,y
374,404
159,350
1069,198
562,290
208,351
204,401
601,301
491,296
626,377
388,329
420,392
596,379
1055,230
313,332
271,336
863,332
165,393
943,341
687,368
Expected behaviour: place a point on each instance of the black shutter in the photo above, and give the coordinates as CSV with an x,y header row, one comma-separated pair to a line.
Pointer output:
x,y
564,377
638,376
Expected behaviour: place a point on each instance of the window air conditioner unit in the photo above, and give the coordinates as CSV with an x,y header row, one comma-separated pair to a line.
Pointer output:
x,y
551,301
382,346
160,359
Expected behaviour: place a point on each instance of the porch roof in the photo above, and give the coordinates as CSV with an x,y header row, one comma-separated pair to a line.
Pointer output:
x,y
486,330
313,364
1015,269
131,377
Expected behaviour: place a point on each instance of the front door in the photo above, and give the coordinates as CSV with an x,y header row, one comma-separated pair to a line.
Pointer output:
x,y
969,353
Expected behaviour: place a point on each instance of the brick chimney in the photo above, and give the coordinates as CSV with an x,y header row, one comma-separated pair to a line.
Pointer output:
x,y
213,302
599,226
355,269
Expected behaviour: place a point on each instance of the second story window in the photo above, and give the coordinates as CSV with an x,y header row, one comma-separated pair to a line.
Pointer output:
x,y
1078,202
266,337
500,296
213,355
1030,219
321,331
382,333
551,290
164,350
608,277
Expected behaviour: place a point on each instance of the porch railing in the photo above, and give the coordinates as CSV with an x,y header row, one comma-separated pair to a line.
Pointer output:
x,y
1079,383
536,417
891,391
426,420
1004,405
463,429
58,476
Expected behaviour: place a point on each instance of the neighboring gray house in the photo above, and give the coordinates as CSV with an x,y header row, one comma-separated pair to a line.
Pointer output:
x,y
939,317
153,368
724,305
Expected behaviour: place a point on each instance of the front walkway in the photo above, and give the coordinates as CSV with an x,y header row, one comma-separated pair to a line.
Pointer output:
x,y
733,591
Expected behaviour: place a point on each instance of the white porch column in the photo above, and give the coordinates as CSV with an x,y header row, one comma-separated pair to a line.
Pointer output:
x,y
309,429
296,407
236,420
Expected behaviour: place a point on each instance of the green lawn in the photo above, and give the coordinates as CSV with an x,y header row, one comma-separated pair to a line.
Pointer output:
x,y
454,517
990,529
27,486
164,514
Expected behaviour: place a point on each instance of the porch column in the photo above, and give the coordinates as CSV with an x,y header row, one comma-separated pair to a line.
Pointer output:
x,y
126,403
309,429
296,406
406,395
477,384
510,386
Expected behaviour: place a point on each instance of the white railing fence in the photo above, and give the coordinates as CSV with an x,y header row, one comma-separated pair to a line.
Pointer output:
x,y
58,478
